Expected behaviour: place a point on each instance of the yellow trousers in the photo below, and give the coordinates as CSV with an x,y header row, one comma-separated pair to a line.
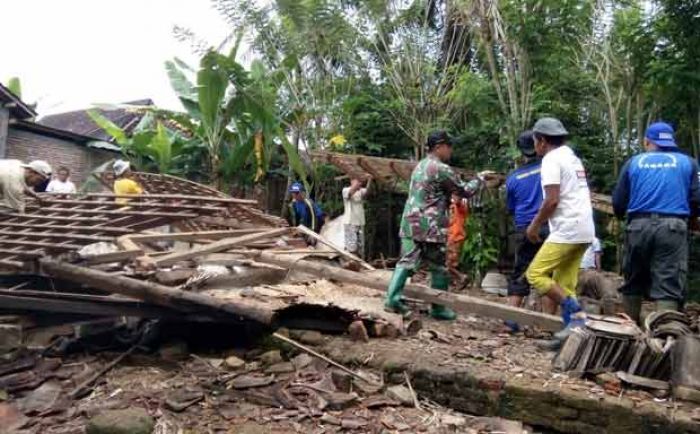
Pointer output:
x,y
556,262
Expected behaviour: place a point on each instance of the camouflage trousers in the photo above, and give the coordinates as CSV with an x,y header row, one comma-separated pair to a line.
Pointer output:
x,y
414,254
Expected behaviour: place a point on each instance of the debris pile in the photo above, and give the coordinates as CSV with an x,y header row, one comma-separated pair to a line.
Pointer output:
x,y
640,357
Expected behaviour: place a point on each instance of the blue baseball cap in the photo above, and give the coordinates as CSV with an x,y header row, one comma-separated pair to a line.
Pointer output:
x,y
661,134
296,187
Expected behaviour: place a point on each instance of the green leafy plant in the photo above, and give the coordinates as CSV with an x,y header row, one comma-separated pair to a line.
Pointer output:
x,y
480,249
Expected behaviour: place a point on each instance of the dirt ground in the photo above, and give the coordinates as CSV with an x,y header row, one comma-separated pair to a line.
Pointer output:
x,y
202,393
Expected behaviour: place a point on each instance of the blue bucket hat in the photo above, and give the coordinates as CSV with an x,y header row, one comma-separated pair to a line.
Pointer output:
x,y
661,134
296,187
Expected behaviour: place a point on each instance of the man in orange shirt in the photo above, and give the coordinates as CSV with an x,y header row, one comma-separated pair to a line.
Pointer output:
x,y
456,234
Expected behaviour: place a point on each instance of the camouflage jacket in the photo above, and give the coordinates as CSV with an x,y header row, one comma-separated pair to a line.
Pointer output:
x,y
425,216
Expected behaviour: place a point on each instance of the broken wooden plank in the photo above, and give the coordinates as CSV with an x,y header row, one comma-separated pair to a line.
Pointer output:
x,y
133,205
91,229
215,199
41,245
152,292
18,301
219,246
460,303
194,236
168,215
64,236
306,231
106,258
43,216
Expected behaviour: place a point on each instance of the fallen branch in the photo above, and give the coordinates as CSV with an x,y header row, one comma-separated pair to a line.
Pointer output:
x,y
324,358
416,403
87,383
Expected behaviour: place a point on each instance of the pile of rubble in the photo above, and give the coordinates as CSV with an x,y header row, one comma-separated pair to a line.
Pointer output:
x,y
94,280
660,356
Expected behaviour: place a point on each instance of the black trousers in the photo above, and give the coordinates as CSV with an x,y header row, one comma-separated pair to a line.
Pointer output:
x,y
656,258
525,252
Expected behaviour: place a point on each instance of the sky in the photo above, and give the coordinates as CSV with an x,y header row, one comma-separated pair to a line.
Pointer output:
x,y
72,54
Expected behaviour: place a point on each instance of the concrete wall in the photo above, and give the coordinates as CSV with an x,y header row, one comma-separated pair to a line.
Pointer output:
x,y
81,160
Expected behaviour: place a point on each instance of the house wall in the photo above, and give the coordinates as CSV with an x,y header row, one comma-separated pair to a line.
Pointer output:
x,y
81,160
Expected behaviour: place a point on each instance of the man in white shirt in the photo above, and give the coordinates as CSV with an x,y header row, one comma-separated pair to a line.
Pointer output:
x,y
354,216
61,184
567,208
16,182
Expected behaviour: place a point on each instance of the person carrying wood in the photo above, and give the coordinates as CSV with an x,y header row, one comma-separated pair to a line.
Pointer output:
x,y
354,216
423,229
304,211
124,184
567,208
17,181
659,193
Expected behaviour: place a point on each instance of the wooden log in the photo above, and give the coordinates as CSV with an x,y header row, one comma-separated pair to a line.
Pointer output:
x,y
219,246
106,258
104,307
306,231
460,303
152,292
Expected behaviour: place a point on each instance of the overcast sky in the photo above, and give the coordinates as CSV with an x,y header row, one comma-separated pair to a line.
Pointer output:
x,y
70,54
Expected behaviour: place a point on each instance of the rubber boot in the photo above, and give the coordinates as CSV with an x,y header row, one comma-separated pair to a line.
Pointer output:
x,y
661,305
441,281
395,291
633,306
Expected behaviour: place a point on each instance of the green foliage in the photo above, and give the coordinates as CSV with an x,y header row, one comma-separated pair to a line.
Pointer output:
x,y
480,249
15,86
482,246
151,146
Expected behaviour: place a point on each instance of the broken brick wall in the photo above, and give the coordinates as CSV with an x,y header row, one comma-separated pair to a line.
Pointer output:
x,y
81,160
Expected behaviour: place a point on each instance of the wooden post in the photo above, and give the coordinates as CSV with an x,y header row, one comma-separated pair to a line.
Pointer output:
x,y
460,303
151,292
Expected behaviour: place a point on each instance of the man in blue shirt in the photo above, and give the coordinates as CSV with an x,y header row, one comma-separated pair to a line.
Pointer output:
x,y
304,211
658,190
524,197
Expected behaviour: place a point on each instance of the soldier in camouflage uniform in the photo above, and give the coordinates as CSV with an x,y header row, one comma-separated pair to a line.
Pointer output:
x,y
424,223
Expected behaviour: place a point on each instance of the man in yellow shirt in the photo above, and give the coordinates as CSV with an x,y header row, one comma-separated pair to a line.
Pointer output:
x,y
123,184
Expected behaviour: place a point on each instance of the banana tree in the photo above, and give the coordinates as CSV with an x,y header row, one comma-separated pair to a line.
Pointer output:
x,y
234,112
151,146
